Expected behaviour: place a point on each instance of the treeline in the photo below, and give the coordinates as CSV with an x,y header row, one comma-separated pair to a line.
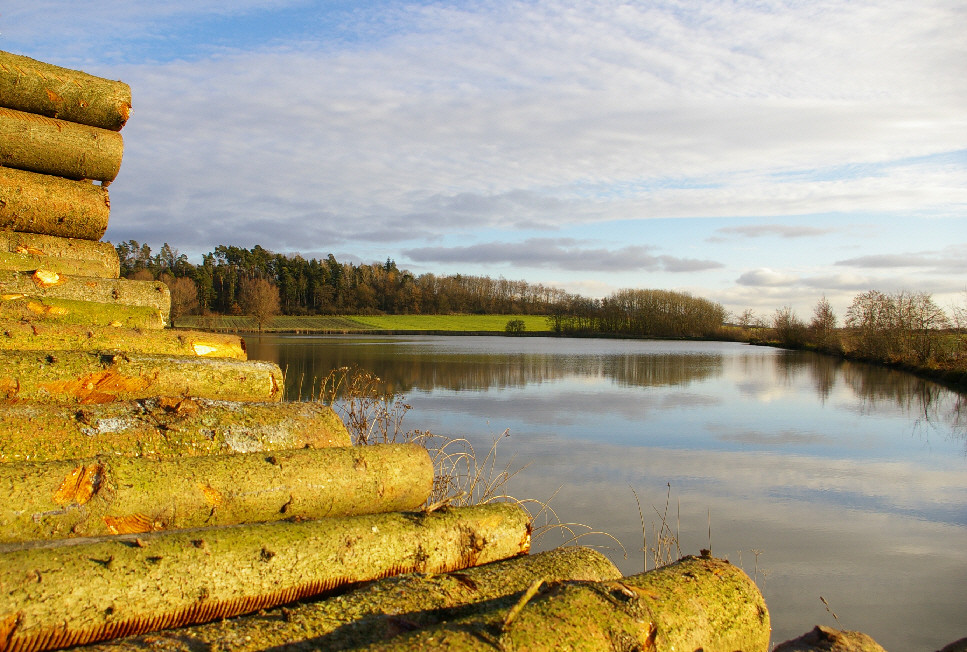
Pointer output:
x,y
325,287
235,280
905,328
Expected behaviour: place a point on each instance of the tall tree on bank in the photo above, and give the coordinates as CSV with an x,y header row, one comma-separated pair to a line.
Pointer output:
x,y
259,298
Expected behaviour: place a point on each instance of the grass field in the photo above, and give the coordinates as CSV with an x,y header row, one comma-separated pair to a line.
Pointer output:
x,y
357,323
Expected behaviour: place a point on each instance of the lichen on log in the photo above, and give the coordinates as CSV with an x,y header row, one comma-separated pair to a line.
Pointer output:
x,y
160,428
30,251
377,610
92,377
123,495
16,335
694,604
47,284
83,313
37,87
65,149
50,205
63,593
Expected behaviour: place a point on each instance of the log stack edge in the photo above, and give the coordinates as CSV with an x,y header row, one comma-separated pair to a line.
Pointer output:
x,y
156,479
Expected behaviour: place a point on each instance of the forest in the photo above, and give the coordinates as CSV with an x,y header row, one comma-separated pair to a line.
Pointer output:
x,y
235,280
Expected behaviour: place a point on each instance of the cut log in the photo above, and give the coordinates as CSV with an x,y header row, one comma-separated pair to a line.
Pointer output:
x,y
163,428
38,336
376,611
89,377
65,149
46,284
81,313
125,495
36,87
827,639
694,604
66,593
41,203
30,251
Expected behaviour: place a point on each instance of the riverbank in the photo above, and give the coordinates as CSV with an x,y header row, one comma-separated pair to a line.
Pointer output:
x,y
369,324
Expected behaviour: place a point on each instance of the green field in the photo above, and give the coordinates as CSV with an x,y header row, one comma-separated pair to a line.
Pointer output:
x,y
367,323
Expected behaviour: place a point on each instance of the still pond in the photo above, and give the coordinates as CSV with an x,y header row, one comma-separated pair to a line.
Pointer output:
x,y
841,487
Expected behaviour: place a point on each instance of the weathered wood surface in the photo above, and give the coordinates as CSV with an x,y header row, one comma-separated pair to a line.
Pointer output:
x,y
37,87
31,251
80,313
65,149
375,611
91,377
17,335
827,639
125,495
694,604
45,204
63,593
159,428
45,284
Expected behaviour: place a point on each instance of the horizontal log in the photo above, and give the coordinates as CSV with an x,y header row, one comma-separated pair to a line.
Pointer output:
x,y
826,639
694,604
123,495
39,336
163,428
31,251
65,149
45,204
37,87
92,377
80,313
376,611
46,284
58,594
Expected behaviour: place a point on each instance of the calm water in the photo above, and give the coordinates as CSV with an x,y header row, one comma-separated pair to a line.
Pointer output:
x,y
819,477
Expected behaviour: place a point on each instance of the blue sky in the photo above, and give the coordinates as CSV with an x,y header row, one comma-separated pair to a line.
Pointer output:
x,y
760,154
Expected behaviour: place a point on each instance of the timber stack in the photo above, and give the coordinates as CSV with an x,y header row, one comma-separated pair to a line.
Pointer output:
x,y
155,479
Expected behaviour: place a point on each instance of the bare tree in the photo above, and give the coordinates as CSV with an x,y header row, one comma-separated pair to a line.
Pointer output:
x,y
184,295
822,328
260,299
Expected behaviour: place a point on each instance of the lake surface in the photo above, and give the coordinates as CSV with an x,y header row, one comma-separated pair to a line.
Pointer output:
x,y
823,479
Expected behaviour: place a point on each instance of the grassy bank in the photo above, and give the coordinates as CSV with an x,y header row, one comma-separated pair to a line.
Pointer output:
x,y
367,323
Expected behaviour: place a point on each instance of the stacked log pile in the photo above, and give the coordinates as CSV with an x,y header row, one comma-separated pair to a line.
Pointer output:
x,y
155,479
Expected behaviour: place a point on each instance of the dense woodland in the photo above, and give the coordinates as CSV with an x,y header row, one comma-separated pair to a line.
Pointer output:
x,y
233,280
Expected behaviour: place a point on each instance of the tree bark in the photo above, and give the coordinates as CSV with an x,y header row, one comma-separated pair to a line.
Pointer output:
x,y
79,313
45,204
18,335
91,377
66,593
163,428
65,149
23,252
124,495
44,284
376,611
36,87
694,604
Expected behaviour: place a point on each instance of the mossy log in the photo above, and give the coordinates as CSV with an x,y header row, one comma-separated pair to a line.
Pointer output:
x,y
376,611
65,149
694,604
91,377
79,313
37,87
63,593
124,495
44,284
41,203
827,639
39,336
161,428
23,252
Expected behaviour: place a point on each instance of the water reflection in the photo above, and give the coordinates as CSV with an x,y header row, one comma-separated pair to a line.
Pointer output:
x,y
850,480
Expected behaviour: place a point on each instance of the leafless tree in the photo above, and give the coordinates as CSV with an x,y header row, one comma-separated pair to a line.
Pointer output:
x,y
260,299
